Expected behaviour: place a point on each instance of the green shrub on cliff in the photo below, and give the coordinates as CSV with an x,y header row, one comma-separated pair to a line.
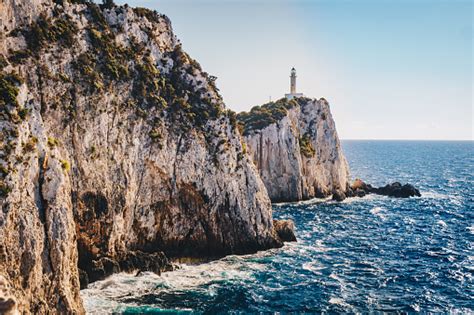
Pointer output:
x,y
306,147
45,31
19,56
152,16
30,146
4,189
65,165
8,90
52,142
260,117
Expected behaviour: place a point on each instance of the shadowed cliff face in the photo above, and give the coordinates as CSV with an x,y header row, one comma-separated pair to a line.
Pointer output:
x,y
295,146
115,147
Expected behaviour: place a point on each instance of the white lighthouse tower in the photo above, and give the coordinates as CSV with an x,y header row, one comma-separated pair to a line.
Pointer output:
x,y
293,93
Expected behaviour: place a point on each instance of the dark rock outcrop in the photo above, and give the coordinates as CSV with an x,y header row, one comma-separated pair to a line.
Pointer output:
x,y
133,261
397,190
338,195
360,189
285,230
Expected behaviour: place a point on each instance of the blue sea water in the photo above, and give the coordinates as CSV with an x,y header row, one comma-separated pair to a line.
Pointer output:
x,y
371,254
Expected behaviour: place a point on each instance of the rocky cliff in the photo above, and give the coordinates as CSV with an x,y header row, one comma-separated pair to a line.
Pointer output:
x,y
115,148
295,146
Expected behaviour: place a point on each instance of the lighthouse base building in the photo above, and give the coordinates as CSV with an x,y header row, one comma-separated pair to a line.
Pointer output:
x,y
291,96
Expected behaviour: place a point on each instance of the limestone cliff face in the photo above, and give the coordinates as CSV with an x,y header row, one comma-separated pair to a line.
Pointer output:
x,y
115,145
295,146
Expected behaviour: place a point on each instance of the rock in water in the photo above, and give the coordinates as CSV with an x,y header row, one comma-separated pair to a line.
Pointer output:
x,y
114,143
338,195
397,190
360,189
285,230
295,146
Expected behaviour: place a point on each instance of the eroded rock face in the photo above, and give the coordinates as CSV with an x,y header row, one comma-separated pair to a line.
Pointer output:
x,y
8,304
297,152
115,148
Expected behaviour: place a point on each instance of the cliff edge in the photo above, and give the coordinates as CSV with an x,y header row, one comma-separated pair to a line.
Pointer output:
x,y
116,153
295,146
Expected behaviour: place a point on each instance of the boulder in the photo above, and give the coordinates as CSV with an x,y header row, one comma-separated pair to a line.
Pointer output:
x,y
285,230
338,195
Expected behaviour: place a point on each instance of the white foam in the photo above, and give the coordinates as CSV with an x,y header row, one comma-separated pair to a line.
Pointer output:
x,y
335,300
313,266
434,195
363,199
339,301
305,202
416,307
335,277
442,223
376,210
379,212
470,229
102,297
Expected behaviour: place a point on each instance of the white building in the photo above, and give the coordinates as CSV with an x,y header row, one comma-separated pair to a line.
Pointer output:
x,y
293,93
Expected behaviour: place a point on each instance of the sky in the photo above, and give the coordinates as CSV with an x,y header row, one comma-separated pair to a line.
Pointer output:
x,y
389,69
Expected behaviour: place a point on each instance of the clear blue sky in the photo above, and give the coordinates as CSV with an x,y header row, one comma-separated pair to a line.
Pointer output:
x,y
390,69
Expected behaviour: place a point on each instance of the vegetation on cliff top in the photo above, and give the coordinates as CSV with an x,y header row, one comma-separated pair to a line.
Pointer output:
x,y
262,116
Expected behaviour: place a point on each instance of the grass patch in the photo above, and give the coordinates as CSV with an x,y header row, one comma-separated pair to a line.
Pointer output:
x,y
52,142
65,165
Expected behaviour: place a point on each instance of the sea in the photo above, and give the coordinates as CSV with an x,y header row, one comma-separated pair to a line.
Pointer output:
x,y
364,255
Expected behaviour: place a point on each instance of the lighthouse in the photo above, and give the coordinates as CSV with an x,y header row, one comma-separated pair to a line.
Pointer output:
x,y
293,81
293,93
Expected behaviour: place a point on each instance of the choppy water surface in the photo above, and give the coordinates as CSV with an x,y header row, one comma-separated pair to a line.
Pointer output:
x,y
367,254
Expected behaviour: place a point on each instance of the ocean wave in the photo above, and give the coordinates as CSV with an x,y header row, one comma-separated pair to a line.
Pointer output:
x,y
303,202
104,296
470,229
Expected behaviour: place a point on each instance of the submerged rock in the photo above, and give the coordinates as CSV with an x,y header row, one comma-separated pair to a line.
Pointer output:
x,y
295,146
